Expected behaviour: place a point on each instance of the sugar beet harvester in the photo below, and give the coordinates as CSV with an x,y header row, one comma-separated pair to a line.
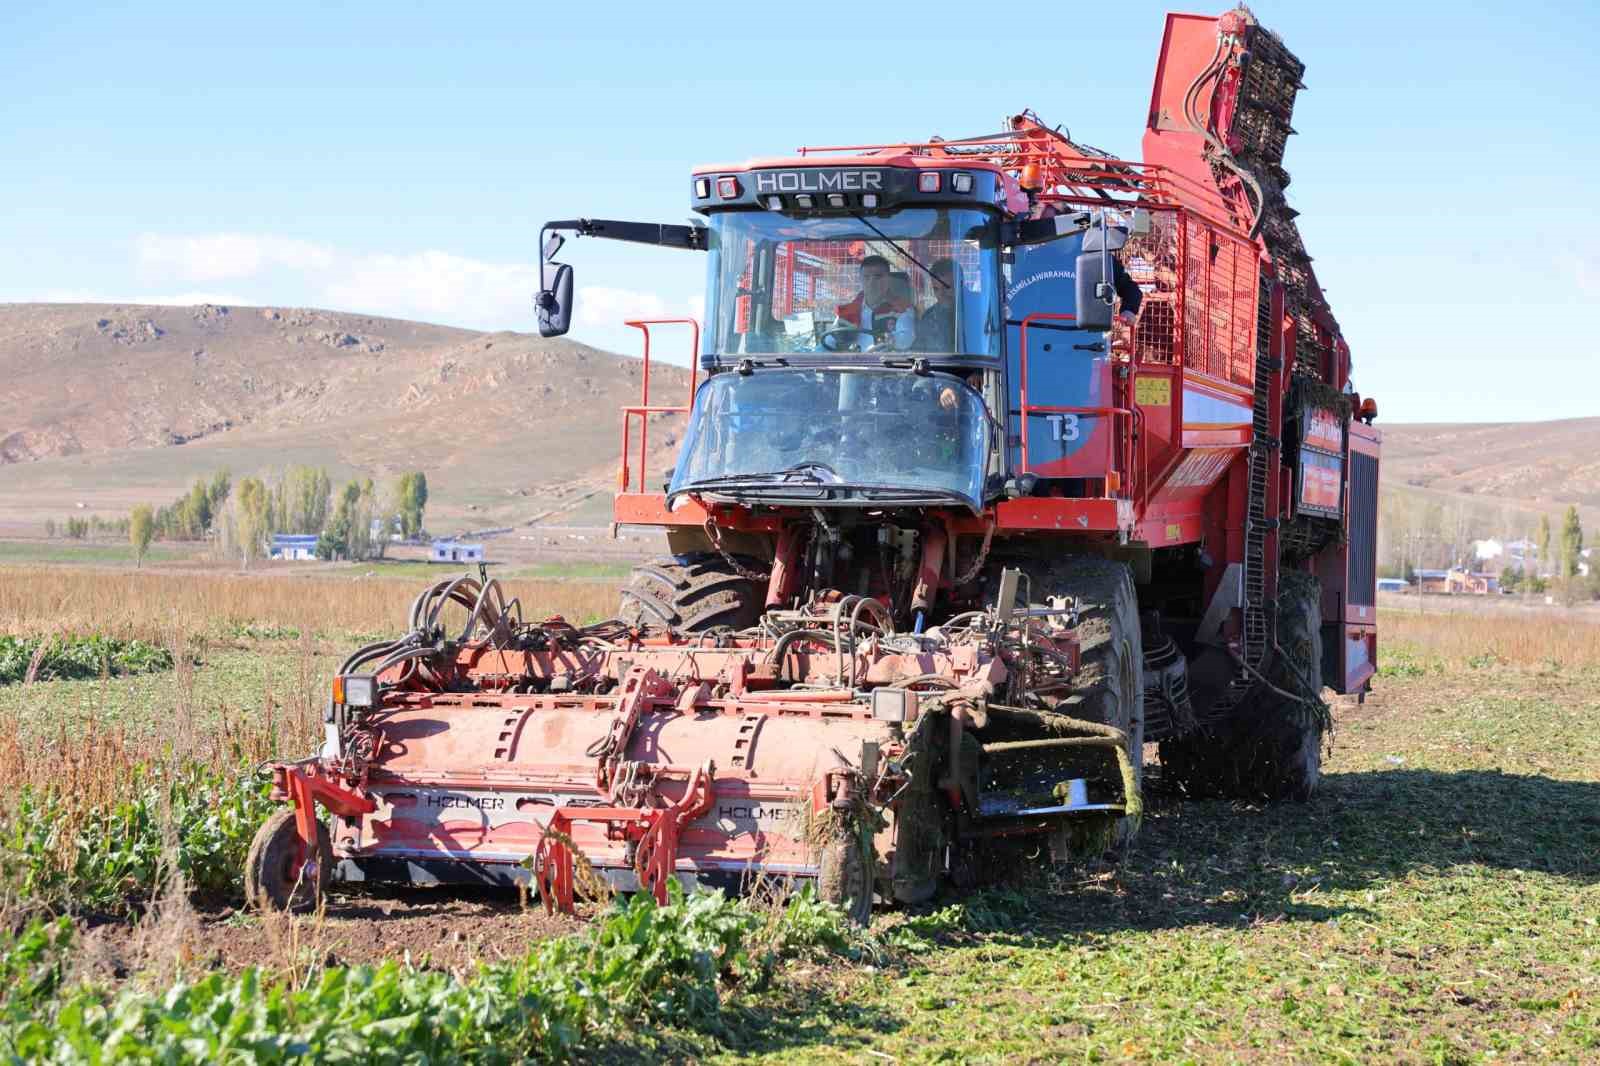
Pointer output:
x,y
1009,459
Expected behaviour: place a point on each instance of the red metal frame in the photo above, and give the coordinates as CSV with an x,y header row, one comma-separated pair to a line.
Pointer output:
x,y
643,409
653,830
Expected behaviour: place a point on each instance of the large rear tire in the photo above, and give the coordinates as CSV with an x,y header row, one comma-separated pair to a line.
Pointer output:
x,y
1109,687
1272,748
693,593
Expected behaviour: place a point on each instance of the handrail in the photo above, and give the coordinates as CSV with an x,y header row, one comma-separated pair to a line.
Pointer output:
x,y
1025,409
644,409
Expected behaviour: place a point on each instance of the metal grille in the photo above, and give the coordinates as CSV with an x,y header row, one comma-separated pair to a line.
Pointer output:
x,y
1363,529
1219,319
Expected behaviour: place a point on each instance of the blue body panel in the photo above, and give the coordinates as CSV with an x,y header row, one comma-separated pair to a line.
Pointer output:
x,y
1042,278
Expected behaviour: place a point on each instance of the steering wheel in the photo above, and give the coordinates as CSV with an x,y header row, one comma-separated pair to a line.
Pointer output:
x,y
853,333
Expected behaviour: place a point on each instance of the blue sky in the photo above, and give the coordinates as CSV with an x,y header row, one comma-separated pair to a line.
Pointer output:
x,y
399,158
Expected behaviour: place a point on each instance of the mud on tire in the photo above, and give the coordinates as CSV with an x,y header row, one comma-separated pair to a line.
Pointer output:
x,y
1109,686
693,593
1272,748
274,873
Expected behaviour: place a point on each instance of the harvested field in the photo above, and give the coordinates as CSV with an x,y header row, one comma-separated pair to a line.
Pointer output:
x,y
1438,902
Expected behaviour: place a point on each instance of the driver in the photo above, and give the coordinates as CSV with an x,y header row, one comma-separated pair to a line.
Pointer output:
x,y
878,312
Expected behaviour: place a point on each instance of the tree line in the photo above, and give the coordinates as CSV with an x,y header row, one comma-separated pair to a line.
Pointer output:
x,y
354,523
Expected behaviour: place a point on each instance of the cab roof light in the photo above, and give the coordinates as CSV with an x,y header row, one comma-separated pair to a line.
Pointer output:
x,y
869,199
961,182
803,201
836,199
728,188
928,181
775,203
702,188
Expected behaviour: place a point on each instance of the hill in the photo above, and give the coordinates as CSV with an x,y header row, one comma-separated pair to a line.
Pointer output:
x,y
112,405
107,406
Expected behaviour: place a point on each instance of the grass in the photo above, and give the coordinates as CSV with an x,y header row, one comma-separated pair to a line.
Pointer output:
x,y
1438,902
99,552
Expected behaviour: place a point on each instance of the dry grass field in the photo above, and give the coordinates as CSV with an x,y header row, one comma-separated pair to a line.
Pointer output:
x,y
1438,902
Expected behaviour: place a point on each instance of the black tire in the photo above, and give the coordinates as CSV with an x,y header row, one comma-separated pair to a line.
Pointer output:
x,y
845,875
1109,687
693,593
1272,748
275,877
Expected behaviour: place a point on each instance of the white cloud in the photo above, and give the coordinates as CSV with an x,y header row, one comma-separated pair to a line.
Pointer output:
x,y
430,285
599,305
1586,272
436,285
215,256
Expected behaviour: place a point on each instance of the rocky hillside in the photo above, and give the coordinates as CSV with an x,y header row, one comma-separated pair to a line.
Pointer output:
x,y
108,405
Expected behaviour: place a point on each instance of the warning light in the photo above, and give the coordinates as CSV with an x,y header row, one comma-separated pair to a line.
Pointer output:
x,y
1369,410
728,188
1031,178
928,181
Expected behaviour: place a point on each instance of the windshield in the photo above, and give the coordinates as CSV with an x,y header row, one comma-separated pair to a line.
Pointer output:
x,y
919,280
836,436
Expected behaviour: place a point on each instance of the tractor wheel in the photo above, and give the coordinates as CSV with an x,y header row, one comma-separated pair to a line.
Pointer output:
x,y
1271,749
1109,687
275,877
694,593
845,877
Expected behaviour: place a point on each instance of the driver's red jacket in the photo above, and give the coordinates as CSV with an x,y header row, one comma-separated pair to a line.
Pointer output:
x,y
851,312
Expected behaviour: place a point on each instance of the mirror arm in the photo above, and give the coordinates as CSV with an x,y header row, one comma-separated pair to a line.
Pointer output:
x,y
667,236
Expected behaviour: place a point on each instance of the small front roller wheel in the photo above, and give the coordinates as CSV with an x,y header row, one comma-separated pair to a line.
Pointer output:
x,y
845,877
276,874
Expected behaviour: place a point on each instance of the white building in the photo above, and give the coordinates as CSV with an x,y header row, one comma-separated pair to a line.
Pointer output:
x,y
454,551
293,546
1489,550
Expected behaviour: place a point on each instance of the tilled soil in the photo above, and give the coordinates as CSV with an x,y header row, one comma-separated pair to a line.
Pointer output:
x,y
438,928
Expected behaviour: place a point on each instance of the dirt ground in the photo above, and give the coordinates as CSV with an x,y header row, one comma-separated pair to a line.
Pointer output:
x,y
450,929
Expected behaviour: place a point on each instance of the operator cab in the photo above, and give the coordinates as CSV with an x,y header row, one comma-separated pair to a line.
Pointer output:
x,y
861,339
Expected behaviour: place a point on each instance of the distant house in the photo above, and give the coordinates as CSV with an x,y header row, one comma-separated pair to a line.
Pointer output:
x,y
1468,583
293,546
1393,584
1487,551
1519,553
1433,582
455,551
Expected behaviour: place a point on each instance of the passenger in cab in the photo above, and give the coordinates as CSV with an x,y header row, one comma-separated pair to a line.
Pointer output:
x,y
936,328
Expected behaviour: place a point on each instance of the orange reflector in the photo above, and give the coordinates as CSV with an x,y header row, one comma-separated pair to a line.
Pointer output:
x,y
338,690
1113,481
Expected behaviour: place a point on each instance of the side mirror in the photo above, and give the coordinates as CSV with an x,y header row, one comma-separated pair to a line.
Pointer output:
x,y
1094,291
554,302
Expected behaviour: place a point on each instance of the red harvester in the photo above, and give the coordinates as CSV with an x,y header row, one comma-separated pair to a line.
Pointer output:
x,y
1009,459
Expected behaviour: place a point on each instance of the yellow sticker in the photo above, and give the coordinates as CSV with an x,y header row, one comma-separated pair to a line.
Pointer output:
x,y
1152,391
1174,531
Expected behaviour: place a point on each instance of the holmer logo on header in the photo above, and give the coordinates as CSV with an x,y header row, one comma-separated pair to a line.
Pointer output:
x,y
818,180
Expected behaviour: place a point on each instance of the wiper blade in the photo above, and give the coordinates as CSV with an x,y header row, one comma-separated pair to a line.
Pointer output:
x,y
803,474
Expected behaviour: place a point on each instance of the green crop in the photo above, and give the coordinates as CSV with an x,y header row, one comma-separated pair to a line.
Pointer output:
x,y
191,821
73,657
639,965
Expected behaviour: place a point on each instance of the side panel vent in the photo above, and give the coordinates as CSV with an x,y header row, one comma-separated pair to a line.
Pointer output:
x,y
1363,529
